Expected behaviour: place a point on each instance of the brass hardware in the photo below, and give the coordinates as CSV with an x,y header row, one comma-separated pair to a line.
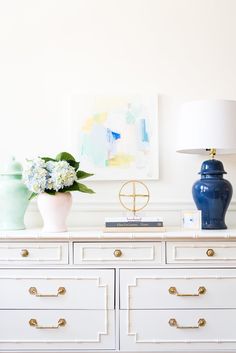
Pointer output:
x,y
210,252
24,253
133,195
34,323
212,152
60,291
201,290
117,253
174,323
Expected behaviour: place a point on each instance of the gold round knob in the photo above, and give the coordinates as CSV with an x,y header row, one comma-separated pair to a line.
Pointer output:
x,y
117,253
201,290
61,322
172,290
33,322
61,291
33,291
24,253
201,322
172,322
210,252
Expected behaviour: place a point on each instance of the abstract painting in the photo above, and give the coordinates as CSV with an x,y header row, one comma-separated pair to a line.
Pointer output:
x,y
115,137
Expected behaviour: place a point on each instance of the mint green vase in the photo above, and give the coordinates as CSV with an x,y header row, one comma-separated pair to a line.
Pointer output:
x,y
14,197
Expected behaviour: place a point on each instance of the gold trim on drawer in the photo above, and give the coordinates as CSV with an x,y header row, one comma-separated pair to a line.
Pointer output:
x,y
35,253
201,252
125,252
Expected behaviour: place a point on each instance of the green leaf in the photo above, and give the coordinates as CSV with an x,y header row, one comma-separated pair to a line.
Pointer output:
x,y
32,196
73,187
74,164
47,159
78,187
50,192
82,175
66,189
84,188
64,156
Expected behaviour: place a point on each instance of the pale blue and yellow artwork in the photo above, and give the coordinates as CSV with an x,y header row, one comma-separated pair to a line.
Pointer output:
x,y
116,138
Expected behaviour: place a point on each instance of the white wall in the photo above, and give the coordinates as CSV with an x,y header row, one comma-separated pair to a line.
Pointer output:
x,y
183,49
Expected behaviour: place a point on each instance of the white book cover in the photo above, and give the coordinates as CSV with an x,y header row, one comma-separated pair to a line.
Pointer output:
x,y
136,219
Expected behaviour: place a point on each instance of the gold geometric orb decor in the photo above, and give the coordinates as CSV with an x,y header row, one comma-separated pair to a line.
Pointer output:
x,y
134,196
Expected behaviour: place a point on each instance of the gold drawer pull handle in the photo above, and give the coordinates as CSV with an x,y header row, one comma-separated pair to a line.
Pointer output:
x,y
60,291
174,323
210,252
24,252
34,323
201,290
117,253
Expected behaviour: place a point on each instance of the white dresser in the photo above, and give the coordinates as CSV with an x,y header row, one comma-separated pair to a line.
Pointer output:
x,y
88,291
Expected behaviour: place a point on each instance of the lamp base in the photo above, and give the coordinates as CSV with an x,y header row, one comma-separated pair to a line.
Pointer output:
x,y
212,194
215,225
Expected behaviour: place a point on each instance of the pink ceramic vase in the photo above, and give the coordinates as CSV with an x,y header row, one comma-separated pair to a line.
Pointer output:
x,y
54,210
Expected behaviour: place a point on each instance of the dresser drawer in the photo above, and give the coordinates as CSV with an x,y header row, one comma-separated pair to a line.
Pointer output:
x,y
201,252
111,253
33,253
177,289
175,330
53,289
62,329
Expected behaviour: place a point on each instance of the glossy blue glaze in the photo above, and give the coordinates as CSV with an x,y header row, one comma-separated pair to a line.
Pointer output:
x,y
212,194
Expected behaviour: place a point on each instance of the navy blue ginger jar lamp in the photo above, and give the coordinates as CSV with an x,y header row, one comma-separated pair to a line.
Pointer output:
x,y
212,194
209,127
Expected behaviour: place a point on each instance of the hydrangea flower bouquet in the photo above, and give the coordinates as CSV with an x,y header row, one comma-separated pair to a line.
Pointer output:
x,y
52,180
50,175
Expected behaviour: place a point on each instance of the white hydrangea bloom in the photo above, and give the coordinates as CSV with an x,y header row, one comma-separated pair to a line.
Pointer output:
x,y
61,175
34,175
39,175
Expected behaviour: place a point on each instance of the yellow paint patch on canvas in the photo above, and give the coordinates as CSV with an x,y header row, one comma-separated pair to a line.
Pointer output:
x,y
99,118
120,160
88,124
109,103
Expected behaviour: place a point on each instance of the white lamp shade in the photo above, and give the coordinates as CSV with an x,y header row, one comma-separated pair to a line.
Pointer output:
x,y
205,125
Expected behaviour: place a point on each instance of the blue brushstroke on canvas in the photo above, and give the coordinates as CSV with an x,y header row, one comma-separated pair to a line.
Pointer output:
x,y
116,135
144,133
112,137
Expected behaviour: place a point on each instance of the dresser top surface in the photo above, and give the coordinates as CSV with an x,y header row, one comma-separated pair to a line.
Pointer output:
x,y
97,234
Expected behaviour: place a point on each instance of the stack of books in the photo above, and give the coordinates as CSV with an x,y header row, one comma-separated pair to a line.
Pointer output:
x,y
144,224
